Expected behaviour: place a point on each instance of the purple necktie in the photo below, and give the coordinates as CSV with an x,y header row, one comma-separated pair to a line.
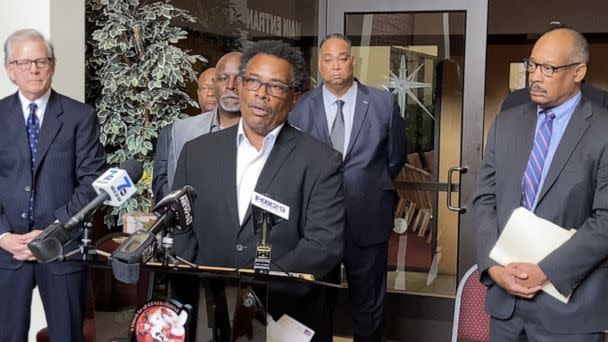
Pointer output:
x,y
534,169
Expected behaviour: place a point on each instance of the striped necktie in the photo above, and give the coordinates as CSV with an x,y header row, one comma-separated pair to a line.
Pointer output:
x,y
536,162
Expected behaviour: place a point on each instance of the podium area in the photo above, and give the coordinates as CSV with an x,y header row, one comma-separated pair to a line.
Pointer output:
x,y
219,304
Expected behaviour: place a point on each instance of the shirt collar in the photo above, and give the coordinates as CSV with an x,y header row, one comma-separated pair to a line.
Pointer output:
x,y
41,102
330,98
565,109
270,138
215,120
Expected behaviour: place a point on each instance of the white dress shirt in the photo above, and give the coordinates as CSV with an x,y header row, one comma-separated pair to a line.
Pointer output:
x,y
249,165
41,102
348,110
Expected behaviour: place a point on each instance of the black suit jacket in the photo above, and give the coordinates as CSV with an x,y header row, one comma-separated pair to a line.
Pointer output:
x,y
377,151
70,157
574,195
299,172
522,96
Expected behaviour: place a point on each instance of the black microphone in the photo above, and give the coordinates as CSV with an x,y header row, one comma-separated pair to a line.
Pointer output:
x,y
266,212
114,187
174,210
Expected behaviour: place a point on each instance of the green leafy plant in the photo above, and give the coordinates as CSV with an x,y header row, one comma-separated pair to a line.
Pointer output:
x,y
135,79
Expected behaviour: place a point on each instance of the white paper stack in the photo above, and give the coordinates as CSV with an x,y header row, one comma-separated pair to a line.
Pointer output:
x,y
529,238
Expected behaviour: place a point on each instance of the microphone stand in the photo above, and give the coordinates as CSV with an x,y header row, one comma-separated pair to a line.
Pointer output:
x,y
165,252
85,248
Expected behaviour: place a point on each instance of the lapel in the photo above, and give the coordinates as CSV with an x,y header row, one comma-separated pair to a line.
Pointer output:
x,y
50,127
361,106
14,120
575,130
520,146
228,165
319,117
282,148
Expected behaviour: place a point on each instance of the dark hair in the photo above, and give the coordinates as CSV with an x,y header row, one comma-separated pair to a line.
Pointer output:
x,y
336,36
280,50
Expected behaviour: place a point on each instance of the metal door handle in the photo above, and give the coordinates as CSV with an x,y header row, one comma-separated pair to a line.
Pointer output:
x,y
461,169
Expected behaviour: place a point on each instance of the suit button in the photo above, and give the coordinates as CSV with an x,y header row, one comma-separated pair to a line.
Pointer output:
x,y
24,215
239,247
27,188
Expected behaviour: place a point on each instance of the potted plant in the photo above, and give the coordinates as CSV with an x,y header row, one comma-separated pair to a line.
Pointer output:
x,y
136,77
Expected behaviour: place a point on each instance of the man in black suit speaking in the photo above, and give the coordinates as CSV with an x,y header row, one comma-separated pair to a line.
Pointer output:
x,y
49,155
263,153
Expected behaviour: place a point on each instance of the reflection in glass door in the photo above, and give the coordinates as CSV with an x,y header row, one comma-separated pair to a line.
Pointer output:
x,y
419,57
429,54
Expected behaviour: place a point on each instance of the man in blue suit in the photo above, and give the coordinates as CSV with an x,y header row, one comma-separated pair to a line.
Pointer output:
x,y
49,155
364,125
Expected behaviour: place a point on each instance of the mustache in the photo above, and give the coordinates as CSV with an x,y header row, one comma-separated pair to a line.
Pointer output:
x,y
537,88
263,107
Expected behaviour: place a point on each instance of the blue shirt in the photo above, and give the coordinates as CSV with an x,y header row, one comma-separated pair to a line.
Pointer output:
x,y
348,110
563,113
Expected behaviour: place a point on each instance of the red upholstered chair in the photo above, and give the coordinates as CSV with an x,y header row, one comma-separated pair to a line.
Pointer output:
x,y
471,321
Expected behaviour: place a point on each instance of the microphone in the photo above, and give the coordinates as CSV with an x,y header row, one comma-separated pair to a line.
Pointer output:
x,y
174,210
266,212
114,187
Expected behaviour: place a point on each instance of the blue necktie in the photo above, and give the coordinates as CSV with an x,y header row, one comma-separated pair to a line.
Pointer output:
x,y
33,128
534,169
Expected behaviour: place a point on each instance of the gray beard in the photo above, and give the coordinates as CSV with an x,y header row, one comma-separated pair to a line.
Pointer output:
x,y
229,107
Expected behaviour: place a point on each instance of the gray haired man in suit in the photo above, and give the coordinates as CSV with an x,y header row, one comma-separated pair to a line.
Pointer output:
x,y
49,155
173,137
551,157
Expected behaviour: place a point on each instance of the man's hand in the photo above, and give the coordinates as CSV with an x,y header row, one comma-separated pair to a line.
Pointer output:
x,y
508,278
530,275
16,244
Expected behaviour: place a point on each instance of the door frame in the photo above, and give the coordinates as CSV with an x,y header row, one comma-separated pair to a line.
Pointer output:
x,y
473,94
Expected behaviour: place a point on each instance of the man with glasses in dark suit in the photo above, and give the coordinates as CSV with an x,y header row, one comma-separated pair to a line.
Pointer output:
x,y
49,155
549,156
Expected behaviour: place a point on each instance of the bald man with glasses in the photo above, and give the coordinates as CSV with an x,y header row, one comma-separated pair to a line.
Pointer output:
x,y
550,157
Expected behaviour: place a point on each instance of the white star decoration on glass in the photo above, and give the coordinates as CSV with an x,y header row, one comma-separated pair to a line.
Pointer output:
x,y
403,84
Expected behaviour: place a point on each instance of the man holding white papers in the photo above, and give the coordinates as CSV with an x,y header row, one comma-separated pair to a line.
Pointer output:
x,y
550,157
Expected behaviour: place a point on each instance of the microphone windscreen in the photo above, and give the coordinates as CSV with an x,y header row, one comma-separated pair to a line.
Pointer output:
x,y
124,271
134,168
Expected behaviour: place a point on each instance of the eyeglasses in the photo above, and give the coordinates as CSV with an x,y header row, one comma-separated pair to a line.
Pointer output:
x,y
26,64
547,70
276,89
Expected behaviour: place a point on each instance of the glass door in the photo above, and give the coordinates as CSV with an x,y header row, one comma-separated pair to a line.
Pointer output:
x,y
431,55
